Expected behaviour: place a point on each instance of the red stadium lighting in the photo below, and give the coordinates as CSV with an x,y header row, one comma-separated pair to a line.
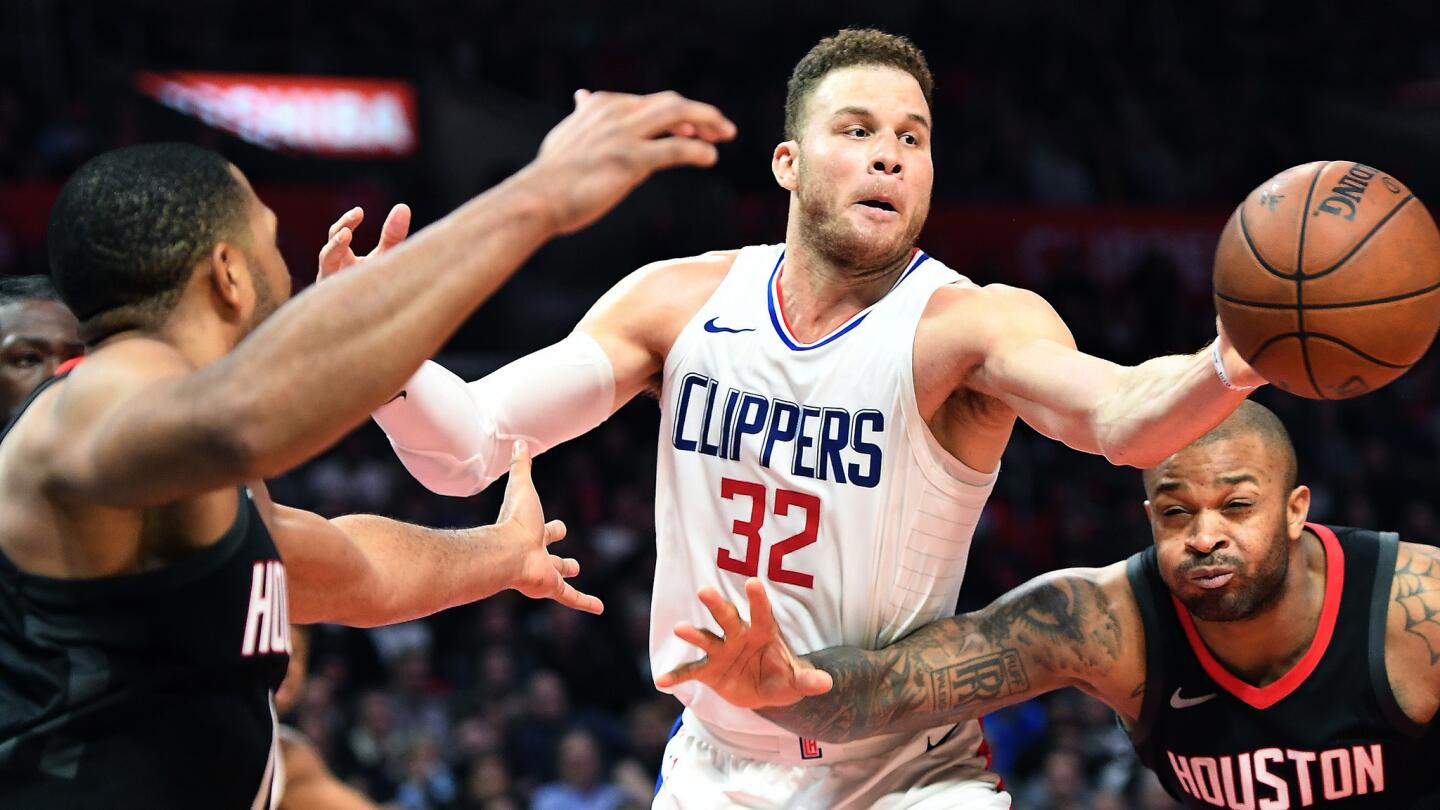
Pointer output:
x,y
338,117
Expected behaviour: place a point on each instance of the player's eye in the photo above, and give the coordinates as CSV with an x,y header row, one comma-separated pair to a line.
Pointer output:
x,y
1172,511
28,359
1238,505
910,139
856,132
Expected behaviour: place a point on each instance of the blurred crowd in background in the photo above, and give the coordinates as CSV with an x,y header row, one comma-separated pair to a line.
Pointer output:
x,y
1078,121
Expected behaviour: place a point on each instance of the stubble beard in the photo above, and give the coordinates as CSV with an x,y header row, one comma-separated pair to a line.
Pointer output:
x,y
825,231
1259,595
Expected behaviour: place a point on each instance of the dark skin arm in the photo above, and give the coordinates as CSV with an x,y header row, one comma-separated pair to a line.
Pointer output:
x,y
1076,628
144,427
1412,644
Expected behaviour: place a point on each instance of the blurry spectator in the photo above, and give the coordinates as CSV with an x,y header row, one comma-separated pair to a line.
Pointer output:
x,y
581,785
428,783
1061,784
373,743
487,783
536,735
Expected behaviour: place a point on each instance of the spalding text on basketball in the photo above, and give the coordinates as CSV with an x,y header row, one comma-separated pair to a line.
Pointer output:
x,y
1345,197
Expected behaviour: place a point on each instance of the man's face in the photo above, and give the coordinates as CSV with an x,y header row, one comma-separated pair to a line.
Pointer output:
x,y
1224,522
862,169
267,267
35,336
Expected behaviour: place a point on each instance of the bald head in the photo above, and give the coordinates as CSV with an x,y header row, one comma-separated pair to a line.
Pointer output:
x,y
1250,419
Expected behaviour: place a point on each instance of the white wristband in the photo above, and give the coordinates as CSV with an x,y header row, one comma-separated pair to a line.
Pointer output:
x,y
1220,370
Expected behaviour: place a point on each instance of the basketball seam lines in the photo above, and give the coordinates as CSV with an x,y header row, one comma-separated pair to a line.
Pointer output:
x,y
1326,337
1336,266
1300,280
1377,361
1254,251
1389,299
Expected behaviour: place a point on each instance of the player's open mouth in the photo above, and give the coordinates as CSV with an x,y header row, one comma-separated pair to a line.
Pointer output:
x,y
1211,578
879,208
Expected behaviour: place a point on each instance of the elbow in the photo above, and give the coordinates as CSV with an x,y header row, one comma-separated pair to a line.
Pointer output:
x,y
444,474
457,486
1126,456
236,448
1130,449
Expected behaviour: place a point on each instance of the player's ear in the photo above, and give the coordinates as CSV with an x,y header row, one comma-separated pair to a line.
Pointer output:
x,y
228,276
785,164
1297,509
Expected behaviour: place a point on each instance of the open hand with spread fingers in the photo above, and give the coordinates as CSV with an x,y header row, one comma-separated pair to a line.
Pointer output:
x,y
750,666
537,573
338,253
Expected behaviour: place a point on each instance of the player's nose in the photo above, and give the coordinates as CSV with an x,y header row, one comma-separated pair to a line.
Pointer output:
x,y
886,157
1207,534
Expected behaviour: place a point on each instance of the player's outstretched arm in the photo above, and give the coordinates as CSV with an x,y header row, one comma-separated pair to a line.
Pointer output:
x,y
1134,415
323,362
365,570
1070,628
451,435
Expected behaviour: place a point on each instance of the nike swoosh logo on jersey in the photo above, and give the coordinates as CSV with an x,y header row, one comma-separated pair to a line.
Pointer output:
x,y
1177,702
710,326
929,746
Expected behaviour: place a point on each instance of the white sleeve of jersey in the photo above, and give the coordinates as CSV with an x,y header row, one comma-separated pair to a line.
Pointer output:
x,y
456,437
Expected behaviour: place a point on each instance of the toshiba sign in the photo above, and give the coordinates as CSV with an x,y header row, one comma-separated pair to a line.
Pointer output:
x,y
328,115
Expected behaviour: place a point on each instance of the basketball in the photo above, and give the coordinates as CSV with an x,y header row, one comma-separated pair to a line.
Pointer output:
x,y
1327,279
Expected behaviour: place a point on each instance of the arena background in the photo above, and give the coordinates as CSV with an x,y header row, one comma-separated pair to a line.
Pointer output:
x,y
1089,151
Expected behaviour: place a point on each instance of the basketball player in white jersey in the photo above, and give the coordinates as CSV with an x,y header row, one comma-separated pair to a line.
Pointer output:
x,y
833,412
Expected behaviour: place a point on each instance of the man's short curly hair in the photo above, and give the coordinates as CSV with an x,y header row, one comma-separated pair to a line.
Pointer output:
x,y
848,48
130,225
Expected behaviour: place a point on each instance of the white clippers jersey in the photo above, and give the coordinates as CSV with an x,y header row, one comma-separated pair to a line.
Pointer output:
x,y
807,465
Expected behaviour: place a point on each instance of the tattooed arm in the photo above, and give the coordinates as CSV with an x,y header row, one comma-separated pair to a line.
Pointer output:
x,y
1412,645
1071,628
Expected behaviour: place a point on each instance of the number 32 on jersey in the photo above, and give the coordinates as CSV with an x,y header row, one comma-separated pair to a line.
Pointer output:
x,y
760,506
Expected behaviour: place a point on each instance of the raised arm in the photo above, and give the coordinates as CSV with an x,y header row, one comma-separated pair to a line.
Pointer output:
x,y
1070,628
323,362
366,570
1134,415
451,434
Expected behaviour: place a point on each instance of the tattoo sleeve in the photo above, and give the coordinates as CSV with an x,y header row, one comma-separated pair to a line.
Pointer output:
x,y
1416,589
1051,632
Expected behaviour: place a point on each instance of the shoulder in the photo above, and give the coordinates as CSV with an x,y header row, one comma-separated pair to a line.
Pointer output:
x,y
1412,638
684,276
652,304
985,316
1417,572
104,381
1416,586
125,367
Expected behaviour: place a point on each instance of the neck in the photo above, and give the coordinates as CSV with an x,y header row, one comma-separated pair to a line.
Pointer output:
x,y
198,340
1262,648
820,293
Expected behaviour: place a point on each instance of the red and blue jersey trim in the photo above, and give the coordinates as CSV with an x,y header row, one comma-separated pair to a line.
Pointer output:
x,y
776,303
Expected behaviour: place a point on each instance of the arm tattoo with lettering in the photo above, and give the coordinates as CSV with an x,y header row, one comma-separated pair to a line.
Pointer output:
x,y
1049,633
1416,589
